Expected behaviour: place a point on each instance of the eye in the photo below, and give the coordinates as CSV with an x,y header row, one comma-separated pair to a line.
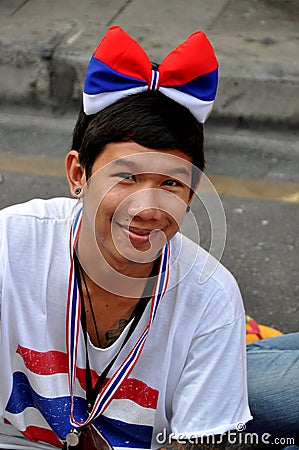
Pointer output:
x,y
126,176
172,183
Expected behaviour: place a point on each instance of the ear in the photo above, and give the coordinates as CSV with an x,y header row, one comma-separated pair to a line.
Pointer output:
x,y
74,172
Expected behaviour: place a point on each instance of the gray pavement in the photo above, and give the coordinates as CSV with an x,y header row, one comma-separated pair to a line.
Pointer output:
x,y
254,171
44,51
45,47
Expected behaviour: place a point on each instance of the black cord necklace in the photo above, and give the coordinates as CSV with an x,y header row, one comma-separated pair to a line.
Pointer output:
x,y
90,305
92,392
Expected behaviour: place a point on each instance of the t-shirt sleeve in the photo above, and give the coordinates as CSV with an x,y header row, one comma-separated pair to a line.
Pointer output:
x,y
211,396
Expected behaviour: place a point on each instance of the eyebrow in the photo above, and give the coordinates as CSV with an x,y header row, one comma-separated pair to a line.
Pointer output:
x,y
124,162
133,166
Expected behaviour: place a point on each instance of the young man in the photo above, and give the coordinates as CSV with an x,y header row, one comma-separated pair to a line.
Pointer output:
x,y
108,334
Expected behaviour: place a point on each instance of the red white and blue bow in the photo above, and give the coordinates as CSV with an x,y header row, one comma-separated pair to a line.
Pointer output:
x,y
120,67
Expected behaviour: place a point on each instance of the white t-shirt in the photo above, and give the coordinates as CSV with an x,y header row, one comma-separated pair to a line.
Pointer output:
x,y
190,379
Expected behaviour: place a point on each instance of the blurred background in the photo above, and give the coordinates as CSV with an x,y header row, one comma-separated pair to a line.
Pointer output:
x,y
252,147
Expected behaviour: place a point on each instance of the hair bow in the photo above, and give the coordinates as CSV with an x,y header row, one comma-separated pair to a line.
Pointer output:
x,y
120,67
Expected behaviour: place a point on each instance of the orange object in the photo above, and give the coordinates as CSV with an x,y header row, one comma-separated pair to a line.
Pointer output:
x,y
256,331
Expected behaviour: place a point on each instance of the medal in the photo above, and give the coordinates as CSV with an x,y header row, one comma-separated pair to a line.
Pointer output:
x,y
90,439
72,438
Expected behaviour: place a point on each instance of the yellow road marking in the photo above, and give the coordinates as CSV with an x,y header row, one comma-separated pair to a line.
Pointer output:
x,y
235,187
35,165
258,189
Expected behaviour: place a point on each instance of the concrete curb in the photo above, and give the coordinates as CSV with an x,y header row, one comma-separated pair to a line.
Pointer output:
x,y
57,82
259,70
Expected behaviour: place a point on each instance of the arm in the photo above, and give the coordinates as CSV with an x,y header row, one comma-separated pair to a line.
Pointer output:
x,y
216,442
211,395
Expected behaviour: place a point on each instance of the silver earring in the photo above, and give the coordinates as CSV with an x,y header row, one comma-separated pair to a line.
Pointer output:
x,y
188,208
77,191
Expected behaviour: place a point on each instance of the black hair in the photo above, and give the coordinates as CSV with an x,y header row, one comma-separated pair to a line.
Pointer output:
x,y
148,118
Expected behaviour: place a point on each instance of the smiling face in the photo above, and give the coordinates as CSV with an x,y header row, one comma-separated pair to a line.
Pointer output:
x,y
136,200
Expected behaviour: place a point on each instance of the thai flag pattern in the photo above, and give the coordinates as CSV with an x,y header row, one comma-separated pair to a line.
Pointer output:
x,y
44,405
41,415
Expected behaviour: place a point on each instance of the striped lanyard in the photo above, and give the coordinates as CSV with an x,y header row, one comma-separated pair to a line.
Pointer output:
x,y
73,316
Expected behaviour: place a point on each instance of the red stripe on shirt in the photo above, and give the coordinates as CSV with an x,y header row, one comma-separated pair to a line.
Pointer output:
x,y
40,434
55,362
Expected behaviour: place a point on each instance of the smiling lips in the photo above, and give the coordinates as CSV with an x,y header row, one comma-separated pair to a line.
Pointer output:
x,y
138,235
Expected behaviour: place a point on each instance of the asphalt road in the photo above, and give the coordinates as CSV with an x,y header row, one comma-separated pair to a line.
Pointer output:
x,y
255,172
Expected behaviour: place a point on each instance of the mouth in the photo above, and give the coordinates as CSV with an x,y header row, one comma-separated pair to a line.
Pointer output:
x,y
139,235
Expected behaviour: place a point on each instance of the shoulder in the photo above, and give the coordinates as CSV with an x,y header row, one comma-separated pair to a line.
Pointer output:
x,y
34,234
205,283
52,209
199,264
37,218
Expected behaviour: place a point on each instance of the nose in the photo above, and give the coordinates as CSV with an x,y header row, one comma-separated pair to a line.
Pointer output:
x,y
145,204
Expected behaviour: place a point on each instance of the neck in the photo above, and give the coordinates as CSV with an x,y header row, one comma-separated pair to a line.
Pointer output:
x,y
118,277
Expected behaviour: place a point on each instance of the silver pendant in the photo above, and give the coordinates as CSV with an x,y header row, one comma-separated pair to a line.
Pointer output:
x,y
72,438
